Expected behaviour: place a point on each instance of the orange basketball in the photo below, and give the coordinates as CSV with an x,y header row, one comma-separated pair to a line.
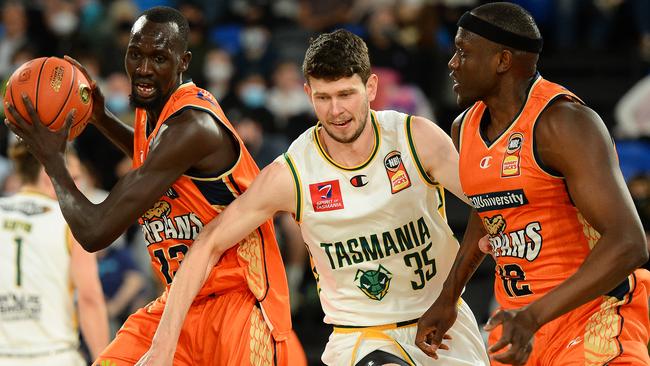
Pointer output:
x,y
55,87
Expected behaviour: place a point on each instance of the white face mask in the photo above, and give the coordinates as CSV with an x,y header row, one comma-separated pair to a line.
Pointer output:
x,y
64,22
218,72
254,39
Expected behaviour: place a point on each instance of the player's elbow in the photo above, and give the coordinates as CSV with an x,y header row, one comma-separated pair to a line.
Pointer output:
x,y
634,249
90,298
93,240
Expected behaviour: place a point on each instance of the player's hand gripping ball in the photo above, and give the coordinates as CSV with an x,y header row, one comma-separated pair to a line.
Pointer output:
x,y
55,87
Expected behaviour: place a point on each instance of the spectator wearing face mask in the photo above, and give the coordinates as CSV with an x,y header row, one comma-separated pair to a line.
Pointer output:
x,y
287,99
62,21
255,55
249,97
218,71
117,92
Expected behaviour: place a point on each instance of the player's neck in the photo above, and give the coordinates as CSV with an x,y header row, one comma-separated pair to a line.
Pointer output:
x,y
34,189
350,154
506,103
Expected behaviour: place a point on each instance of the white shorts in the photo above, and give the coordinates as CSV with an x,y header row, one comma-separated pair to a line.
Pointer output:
x,y
348,346
67,358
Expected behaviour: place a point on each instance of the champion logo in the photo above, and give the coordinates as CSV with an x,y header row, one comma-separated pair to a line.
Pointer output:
x,y
359,180
485,162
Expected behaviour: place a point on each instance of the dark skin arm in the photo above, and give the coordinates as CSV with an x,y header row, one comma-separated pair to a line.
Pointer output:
x,y
437,320
574,141
211,149
118,132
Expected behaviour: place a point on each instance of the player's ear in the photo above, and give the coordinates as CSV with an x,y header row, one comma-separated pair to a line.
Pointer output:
x,y
307,89
505,61
185,61
371,86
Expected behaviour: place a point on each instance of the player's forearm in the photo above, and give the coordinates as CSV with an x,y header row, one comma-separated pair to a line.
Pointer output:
x,y
93,320
468,259
118,132
189,279
610,262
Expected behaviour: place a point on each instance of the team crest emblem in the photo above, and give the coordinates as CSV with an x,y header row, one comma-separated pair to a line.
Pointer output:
x,y
494,225
397,175
374,283
326,196
511,161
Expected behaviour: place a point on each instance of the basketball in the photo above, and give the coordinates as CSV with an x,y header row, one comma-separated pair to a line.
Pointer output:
x,y
55,87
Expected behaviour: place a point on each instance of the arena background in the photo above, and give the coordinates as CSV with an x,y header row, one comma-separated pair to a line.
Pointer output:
x,y
248,54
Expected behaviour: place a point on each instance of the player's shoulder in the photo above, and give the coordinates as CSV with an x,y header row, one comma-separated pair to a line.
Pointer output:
x,y
567,117
303,142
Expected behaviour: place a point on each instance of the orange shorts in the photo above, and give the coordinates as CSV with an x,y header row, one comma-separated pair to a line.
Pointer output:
x,y
228,329
610,330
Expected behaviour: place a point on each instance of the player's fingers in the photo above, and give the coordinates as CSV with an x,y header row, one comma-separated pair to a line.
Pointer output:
x,y
33,115
484,245
18,119
494,320
423,339
506,357
79,66
502,342
15,129
522,355
69,119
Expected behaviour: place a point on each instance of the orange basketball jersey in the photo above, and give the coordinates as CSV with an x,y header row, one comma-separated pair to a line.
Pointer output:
x,y
539,237
175,220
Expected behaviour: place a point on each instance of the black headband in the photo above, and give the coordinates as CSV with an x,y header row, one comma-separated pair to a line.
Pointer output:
x,y
499,35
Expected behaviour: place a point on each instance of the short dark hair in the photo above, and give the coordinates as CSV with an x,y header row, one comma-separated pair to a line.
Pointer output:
x,y
165,14
510,17
26,165
336,55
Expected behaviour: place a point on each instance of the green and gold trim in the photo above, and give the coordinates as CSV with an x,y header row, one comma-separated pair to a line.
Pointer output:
x,y
321,150
297,182
422,172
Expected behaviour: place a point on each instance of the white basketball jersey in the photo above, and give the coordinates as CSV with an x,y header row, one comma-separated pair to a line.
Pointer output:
x,y
377,234
36,295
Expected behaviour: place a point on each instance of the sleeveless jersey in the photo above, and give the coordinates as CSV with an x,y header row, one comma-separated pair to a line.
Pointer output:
x,y
37,313
377,234
176,219
539,237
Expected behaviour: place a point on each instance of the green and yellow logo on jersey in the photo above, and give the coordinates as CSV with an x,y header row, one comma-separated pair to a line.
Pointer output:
x,y
373,283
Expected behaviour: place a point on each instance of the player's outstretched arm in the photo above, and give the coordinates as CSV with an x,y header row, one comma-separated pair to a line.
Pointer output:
x,y
270,192
191,139
573,140
93,317
437,320
118,132
439,155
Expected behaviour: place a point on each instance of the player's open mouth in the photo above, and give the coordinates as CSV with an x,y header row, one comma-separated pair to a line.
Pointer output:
x,y
342,123
145,90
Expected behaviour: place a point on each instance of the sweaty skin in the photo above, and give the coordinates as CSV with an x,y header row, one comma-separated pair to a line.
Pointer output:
x,y
498,76
154,62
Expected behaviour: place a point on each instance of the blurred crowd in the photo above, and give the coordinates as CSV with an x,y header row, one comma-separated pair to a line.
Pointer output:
x,y
248,54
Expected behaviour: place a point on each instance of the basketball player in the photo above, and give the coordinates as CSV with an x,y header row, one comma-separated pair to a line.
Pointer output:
x,y
188,165
366,188
541,171
41,270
